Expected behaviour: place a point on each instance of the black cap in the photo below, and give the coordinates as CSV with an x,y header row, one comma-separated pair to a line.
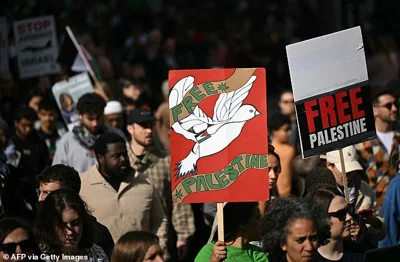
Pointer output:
x,y
140,115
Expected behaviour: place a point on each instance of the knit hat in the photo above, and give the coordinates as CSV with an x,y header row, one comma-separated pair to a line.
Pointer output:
x,y
320,177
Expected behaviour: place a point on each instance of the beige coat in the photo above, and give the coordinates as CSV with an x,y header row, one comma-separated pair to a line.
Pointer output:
x,y
136,205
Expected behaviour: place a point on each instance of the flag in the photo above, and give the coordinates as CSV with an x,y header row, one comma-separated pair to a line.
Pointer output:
x,y
70,58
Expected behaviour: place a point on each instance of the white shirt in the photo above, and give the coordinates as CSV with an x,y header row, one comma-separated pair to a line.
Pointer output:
x,y
387,139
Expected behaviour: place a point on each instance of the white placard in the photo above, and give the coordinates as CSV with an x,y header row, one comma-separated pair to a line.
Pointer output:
x,y
37,49
327,63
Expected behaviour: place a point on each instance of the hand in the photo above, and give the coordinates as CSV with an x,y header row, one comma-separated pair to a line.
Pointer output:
x,y
354,230
218,252
182,249
372,220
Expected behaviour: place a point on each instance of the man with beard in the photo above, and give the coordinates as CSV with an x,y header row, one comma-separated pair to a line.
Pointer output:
x,y
144,157
380,156
121,198
75,148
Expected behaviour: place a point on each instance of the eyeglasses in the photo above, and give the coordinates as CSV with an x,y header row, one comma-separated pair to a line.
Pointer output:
x,y
45,193
24,245
341,214
389,106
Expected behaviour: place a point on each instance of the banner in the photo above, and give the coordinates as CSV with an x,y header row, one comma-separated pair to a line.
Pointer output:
x,y
4,61
218,135
36,44
331,92
67,94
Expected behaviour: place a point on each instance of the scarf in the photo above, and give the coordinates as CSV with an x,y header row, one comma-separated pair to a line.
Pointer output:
x,y
85,138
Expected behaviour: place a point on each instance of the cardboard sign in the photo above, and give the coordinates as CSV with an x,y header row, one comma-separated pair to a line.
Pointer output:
x,y
67,94
218,135
36,43
331,92
4,69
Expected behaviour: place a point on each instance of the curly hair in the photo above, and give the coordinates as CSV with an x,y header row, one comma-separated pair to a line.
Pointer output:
x,y
49,220
281,213
91,103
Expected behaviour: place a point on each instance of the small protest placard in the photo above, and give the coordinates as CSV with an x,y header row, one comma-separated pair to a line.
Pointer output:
x,y
4,69
331,92
67,94
218,135
36,44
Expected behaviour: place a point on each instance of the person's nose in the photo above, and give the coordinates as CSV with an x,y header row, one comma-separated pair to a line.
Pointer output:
x,y
348,217
42,197
95,123
308,246
159,259
18,249
272,174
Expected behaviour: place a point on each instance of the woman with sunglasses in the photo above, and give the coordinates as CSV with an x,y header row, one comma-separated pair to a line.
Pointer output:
x,y
65,228
16,238
338,248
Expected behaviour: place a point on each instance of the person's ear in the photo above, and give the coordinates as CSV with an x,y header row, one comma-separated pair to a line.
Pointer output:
x,y
284,247
375,110
100,159
130,128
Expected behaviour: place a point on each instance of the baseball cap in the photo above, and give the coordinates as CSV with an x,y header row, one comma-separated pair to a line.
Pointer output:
x,y
349,157
140,115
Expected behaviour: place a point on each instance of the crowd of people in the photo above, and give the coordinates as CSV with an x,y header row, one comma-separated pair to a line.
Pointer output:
x,y
101,190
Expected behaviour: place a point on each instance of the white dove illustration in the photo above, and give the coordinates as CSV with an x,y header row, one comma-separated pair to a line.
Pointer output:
x,y
230,115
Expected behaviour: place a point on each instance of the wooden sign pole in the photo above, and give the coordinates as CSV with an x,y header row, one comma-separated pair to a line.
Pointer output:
x,y
346,188
220,220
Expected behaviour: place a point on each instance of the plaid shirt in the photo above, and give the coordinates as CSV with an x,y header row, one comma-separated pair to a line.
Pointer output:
x,y
157,168
381,166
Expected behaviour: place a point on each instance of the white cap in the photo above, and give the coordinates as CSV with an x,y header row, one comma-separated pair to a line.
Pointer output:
x,y
113,107
349,157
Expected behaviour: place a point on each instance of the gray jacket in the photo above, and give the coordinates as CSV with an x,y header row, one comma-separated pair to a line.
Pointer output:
x,y
71,153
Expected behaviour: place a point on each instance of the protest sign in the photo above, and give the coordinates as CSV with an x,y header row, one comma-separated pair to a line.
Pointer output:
x,y
67,94
331,92
36,43
4,69
218,135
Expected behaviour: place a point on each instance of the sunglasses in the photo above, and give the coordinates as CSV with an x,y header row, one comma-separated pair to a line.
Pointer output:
x,y
389,105
341,214
24,245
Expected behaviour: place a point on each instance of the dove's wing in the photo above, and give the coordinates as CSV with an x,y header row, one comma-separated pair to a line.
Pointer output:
x,y
197,118
179,90
229,103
